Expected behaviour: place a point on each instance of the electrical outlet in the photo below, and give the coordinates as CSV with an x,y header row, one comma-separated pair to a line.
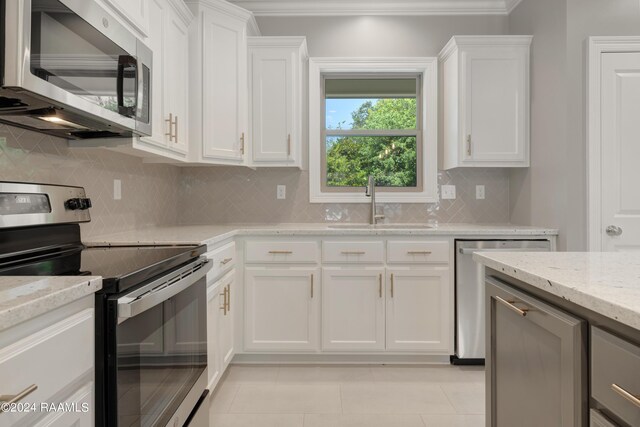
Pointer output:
x,y
117,189
281,192
480,192
447,192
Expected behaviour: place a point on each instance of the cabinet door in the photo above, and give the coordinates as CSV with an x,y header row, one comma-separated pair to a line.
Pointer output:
x,y
282,309
224,103
176,60
215,305
494,115
84,416
226,347
272,99
157,12
353,309
134,12
419,310
535,360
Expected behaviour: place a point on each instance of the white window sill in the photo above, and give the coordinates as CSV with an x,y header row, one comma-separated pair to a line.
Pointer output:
x,y
381,197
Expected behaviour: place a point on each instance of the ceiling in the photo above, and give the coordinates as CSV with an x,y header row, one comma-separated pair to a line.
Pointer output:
x,y
377,7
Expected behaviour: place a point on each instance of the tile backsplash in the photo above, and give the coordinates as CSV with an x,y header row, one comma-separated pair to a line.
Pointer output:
x,y
149,191
155,194
237,195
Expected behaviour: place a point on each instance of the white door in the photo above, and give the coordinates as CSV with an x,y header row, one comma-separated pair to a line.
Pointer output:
x,y
215,305
272,92
135,12
353,309
282,309
419,310
176,61
620,130
495,113
224,87
226,348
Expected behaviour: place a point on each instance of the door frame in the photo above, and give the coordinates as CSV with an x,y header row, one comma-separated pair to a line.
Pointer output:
x,y
596,46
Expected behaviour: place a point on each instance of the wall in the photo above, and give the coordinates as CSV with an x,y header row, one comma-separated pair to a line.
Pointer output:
x,y
538,194
149,192
587,18
553,191
244,195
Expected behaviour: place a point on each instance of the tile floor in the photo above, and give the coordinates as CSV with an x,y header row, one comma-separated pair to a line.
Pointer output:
x,y
350,396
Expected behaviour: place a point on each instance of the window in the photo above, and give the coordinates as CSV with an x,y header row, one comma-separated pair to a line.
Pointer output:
x,y
371,127
373,117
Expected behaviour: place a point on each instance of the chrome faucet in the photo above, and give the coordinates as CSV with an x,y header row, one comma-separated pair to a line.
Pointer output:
x,y
370,191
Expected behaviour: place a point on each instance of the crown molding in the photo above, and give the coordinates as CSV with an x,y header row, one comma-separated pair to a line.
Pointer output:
x,y
384,7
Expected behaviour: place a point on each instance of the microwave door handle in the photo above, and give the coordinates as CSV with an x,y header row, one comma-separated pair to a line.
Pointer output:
x,y
130,307
124,62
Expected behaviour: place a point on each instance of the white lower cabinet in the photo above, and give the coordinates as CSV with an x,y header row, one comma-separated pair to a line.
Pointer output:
x,y
282,309
226,347
220,327
353,309
418,315
50,359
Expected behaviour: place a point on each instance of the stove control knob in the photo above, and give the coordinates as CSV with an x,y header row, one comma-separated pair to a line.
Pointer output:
x,y
85,204
72,204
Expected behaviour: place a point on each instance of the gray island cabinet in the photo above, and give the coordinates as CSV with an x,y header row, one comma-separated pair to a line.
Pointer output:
x,y
560,353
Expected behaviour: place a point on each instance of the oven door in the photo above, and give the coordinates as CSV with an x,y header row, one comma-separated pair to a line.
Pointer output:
x,y
158,350
75,54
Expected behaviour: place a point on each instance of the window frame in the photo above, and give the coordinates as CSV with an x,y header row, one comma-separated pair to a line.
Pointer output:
x,y
417,132
427,122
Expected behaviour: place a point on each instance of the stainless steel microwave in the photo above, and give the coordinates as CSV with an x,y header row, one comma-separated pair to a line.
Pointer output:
x,y
68,68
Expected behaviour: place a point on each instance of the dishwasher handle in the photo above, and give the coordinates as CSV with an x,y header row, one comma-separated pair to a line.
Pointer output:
x,y
469,251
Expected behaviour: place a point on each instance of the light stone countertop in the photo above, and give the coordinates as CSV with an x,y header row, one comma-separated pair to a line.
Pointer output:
x,y
211,234
25,297
607,283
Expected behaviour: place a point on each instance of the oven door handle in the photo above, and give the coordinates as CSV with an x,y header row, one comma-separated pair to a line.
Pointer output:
x,y
469,251
131,305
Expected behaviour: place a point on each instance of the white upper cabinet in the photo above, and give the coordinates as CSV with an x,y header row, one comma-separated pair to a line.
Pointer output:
x,y
218,82
276,67
485,99
169,40
134,12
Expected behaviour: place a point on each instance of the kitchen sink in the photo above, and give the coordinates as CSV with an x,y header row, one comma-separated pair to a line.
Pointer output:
x,y
381,226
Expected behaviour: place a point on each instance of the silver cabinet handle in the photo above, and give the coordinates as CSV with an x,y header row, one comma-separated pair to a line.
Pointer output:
x,y
624,393
13,398
418,252
226,261
353,252
312,285
469,145
229,298
509,304
380,285
288,145
224,304
242,143
175,126
280,252
613,230
391,285
171,124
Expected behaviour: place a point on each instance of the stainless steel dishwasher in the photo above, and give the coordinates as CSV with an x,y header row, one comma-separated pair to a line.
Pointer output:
x,y
470,333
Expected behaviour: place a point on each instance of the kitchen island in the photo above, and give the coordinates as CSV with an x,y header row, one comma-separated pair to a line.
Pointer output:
x,y
563,346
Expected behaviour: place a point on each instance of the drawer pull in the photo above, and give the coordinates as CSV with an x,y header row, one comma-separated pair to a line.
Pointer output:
x,y
353,252
13,398
418,252
391,285
624,393
226,261
509,304
280,252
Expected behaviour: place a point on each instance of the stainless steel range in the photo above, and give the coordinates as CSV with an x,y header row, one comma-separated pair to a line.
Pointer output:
x,y
151,337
